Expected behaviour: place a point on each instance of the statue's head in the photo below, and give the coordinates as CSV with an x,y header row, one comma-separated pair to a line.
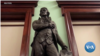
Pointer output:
x,y
44,11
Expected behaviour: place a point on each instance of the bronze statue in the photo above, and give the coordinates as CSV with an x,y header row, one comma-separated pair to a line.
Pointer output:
x,y
46,36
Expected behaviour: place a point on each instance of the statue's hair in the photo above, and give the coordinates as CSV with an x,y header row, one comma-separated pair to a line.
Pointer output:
x,y
47,11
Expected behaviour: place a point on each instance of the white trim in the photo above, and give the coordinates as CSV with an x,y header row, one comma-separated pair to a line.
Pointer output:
x,y
12,23
86,22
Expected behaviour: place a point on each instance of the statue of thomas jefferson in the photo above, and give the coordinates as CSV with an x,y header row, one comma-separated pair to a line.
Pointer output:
x,y
46,36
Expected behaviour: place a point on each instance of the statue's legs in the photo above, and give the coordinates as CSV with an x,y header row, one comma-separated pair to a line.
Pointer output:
x,y
44,49
37,49
51,50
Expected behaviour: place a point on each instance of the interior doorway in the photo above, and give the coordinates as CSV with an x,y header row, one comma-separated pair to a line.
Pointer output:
x,y
11,34
85,32
15,26
12,27
86,27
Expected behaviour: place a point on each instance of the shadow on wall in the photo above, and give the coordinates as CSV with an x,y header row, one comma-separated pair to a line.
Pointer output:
x,y
56,16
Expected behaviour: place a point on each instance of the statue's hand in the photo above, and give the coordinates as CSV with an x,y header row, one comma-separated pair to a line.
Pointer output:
x,y
51,25
65,48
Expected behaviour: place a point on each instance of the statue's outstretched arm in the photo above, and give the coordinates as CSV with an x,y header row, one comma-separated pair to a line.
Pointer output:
x,y
60,42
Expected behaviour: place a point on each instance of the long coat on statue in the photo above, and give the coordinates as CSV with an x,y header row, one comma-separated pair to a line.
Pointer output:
x,y
36,44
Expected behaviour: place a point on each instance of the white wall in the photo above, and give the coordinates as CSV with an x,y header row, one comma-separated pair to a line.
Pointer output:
x,y
11,38
84,34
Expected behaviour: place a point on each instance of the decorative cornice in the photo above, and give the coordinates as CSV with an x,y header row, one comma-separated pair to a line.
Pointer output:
x,y
78,3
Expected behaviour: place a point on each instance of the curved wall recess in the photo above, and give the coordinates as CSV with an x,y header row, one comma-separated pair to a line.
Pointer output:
x,y
71,11
19,11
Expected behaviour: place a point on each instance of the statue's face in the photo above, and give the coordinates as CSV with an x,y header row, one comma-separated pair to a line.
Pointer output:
x,y
44,11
